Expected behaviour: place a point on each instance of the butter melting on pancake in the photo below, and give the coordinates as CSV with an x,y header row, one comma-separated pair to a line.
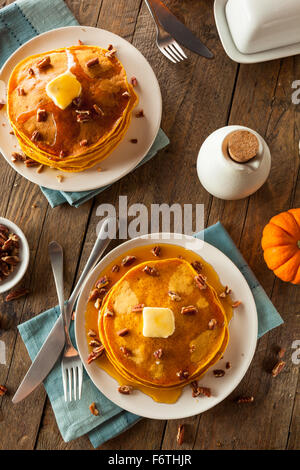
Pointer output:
x,y
159,361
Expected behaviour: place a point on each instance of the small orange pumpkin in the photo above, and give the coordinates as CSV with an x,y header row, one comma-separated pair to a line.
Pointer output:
x,y
281,245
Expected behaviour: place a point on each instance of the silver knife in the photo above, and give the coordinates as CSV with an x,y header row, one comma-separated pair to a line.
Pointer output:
x,y
55,341
177,29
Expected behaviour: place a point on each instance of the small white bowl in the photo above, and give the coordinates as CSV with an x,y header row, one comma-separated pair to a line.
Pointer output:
x,y
15,277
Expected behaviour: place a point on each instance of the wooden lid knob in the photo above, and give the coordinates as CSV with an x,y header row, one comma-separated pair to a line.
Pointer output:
x,y
242,146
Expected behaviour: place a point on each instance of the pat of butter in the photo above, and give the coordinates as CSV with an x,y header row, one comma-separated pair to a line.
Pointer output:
x,y
158,322
63,89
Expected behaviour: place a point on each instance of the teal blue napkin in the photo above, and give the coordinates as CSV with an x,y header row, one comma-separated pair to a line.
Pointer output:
x,y
74,419
21,21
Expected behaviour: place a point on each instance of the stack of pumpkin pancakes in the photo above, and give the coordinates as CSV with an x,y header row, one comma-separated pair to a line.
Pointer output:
x,y
71,107
146,343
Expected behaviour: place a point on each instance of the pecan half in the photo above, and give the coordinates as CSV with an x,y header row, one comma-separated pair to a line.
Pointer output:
x,y
97,352
151,271
16,294
197,266
92,62
201,391
44,63
180,434
128,260
11,260
115,268
123,332
29,163
219,372
200,281
94,295
125,389
36,136
245,400
156,251
278,368
3,390
93,409
174,296
190,310
137,308
102,282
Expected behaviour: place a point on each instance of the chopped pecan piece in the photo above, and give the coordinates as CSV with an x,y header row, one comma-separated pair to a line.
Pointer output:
x,y
281,353
212,324
94,295
125,389
44,63
192,348
158,354
228,365
41,115
156,251
219,372
102,282
197,266
94,343
111,53
21,92
174,296
204,391
125,351
40,169
190,310
36,136
62,154
92,62
108,313
236,304
140,114
183,374
151,271
83,115
16,294
93,409
18,157
200,281
137,308
2,104
4,229
98,110
92,333
115,268
134,81
31,71
83,143
110,47
123,332
134,141
180,434
278,368
226,292
11,260
29,163
79,42
98,303
245,400
3,390
126,94
128,260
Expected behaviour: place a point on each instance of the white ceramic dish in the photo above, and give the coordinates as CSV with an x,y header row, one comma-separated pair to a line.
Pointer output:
x,y
15,277
127,155
241,348
235,54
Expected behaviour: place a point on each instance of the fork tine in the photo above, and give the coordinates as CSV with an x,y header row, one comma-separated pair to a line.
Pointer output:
x,y
64,377
74,383
70,384
169,50
79,380
167,55
175,52
179,49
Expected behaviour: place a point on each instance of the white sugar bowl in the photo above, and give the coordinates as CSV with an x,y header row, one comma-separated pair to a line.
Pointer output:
x,y
228,178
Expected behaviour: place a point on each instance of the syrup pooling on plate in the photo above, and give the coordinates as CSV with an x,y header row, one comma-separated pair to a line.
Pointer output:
x,y
115,272
71,112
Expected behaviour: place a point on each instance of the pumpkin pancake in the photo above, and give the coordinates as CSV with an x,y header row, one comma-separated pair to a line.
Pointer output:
x,y
69,108
162,325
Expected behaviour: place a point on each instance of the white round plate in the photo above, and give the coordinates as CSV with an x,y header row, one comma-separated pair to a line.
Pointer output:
x,y
24,254
240,350
127,155
233,52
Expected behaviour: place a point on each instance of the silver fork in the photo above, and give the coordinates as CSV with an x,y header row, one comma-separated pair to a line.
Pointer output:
x,y
71,365
164,41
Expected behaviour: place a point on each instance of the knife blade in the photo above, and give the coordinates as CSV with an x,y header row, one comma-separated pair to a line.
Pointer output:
x,y
55,341
177,29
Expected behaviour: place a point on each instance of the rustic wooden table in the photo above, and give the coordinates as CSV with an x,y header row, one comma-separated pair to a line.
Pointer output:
x,y
199,96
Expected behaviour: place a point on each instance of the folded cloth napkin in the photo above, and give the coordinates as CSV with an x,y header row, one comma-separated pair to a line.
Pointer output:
x,y
21,21
74,419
